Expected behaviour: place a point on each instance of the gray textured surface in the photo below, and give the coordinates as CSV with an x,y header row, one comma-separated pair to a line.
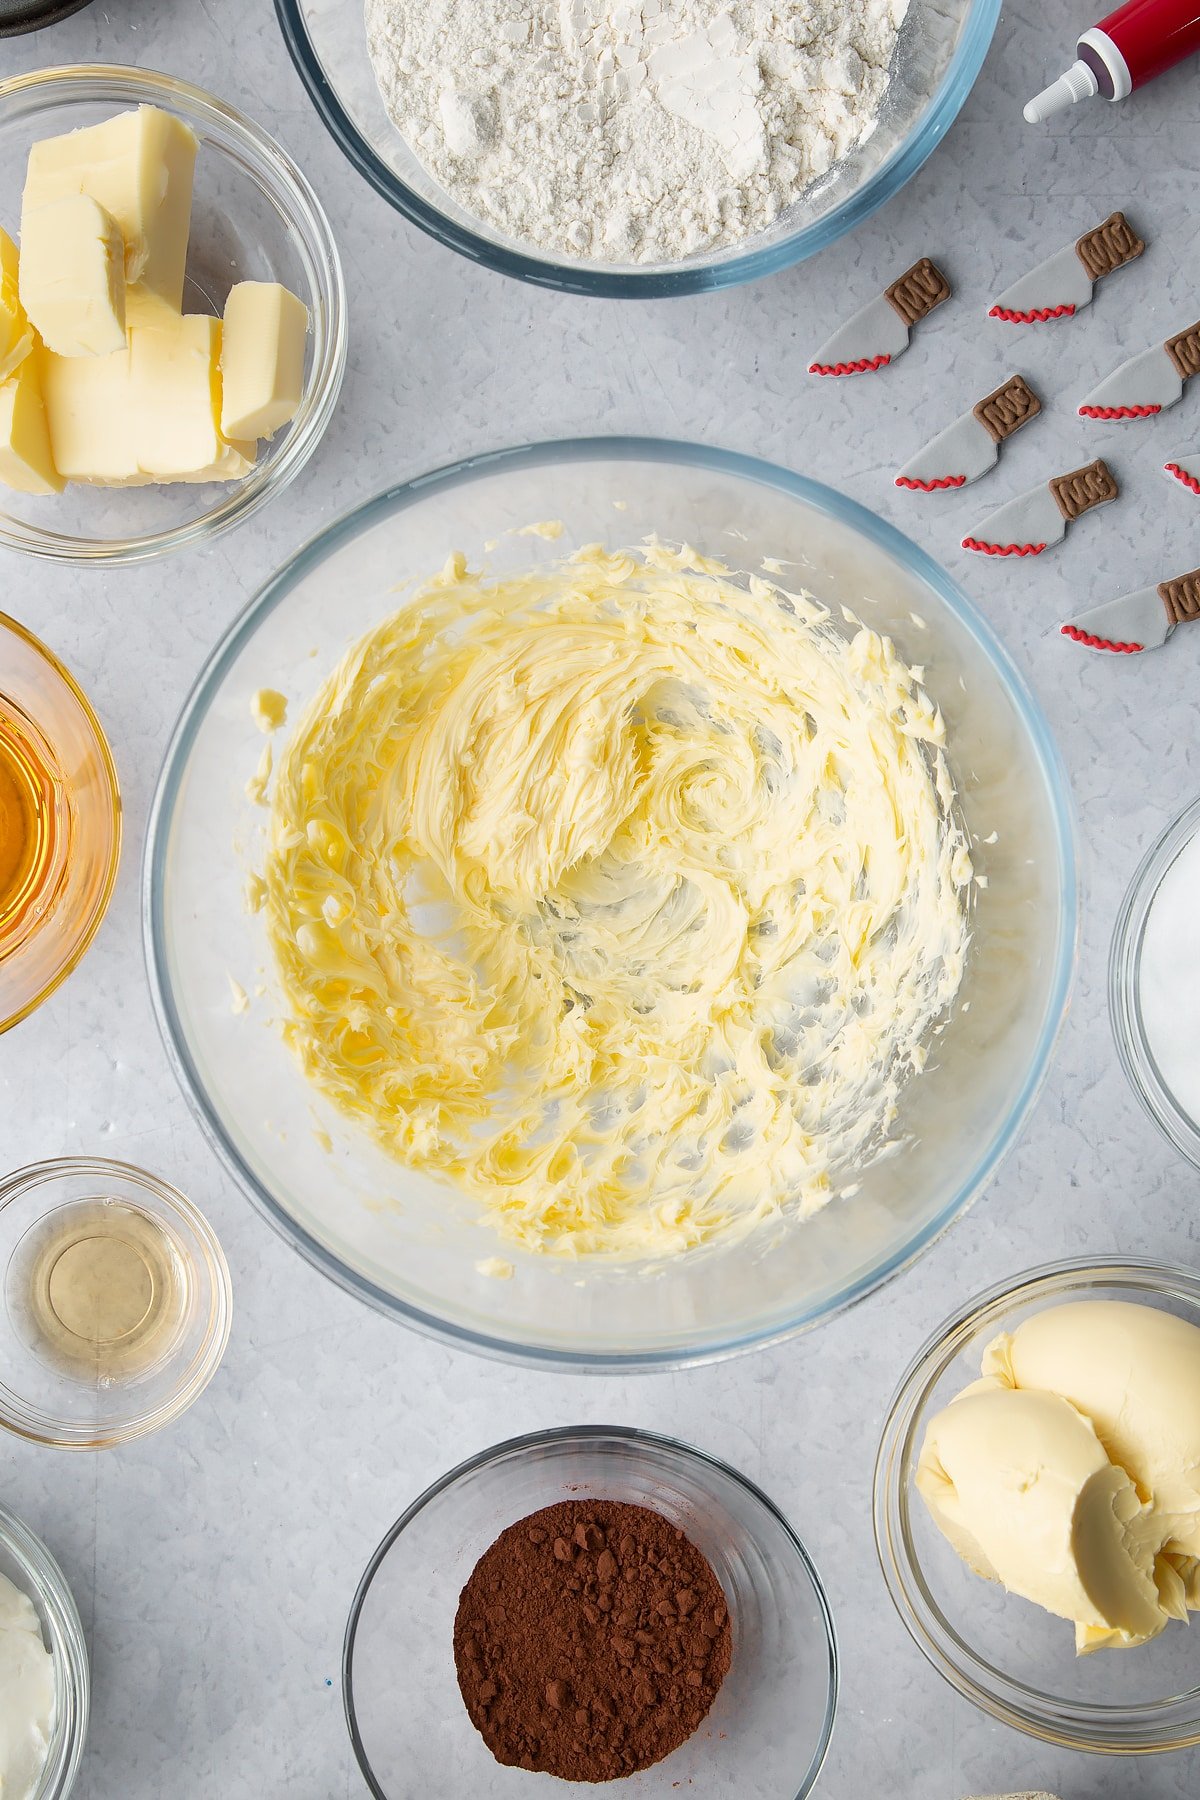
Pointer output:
x,y
214,1565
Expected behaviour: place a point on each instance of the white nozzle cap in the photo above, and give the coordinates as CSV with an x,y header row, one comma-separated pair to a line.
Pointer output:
x,y
1079,83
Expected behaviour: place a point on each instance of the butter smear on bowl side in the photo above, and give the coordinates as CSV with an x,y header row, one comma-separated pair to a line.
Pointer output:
x,y
1070,1472
103,377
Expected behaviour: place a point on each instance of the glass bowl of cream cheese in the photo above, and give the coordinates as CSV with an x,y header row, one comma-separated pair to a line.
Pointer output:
x,y
1036,1503
638,151
670,900
45,1684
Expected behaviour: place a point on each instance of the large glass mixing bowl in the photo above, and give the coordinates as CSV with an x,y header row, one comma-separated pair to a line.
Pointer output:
x,y
390,1234
938,55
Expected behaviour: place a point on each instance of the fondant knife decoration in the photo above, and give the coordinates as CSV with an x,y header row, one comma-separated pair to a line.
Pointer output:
x,y
1141,621
1065,282
879,332
1183,466
1032,522
969,448
1147,383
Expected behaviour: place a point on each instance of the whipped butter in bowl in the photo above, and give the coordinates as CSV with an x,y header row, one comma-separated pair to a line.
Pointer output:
x,y
655,892
1037,1503
620,894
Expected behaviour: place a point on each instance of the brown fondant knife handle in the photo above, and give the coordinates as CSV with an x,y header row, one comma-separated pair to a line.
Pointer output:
x,y
1084,488
915,293
1181,597
1184,351
1007,408
1110,246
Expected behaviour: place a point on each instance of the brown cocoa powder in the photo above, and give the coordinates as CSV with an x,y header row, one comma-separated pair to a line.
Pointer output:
x,y
590,1640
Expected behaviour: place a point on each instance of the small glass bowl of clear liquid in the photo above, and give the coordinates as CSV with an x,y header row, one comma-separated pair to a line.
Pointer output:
x,y
117,1303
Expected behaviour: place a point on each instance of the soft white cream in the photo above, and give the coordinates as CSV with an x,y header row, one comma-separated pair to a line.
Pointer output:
x,y
27,1705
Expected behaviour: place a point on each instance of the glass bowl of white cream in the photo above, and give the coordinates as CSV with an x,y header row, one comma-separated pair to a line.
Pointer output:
x,y
417,1247
1154,983
43,1710
1003,1649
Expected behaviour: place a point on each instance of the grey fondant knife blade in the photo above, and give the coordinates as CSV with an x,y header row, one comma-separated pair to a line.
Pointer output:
x,y
1033,521
1065,282
1183,466
968,449
1147,383
879,331
1141,621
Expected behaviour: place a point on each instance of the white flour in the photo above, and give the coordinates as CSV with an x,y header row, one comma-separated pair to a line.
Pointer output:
x,y
631,130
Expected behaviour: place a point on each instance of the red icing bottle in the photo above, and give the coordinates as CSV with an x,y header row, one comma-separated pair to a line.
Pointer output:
x,y
1125,50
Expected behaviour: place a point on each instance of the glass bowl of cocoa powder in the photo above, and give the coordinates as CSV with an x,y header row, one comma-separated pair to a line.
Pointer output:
x,y
738,1581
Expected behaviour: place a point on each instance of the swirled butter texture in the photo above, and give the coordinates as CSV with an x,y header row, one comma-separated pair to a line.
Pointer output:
x,y
622,894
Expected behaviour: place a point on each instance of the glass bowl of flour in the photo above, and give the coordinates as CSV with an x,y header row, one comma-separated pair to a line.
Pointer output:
x,y
411,1232
638,149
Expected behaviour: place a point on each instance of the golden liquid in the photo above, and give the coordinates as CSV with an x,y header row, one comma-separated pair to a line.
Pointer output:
x,y
99,1289
33,827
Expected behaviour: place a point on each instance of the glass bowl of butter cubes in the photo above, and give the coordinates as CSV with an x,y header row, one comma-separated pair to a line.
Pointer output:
x,y
172,316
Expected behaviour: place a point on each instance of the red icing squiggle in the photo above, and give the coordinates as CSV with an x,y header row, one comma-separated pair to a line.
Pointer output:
x,y
1099,643
1037,316
1118,412
861,367
929,487
973,543
1189,481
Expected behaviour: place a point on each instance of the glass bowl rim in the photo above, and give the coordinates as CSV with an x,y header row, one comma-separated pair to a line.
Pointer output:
x,y
942,108
1124,1005
73,1672
633,1438
109,767
204,1365
1090,1726
396,499
118,82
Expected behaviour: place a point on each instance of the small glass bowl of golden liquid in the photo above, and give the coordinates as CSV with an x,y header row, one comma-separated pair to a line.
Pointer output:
x,y
60,823
117,1303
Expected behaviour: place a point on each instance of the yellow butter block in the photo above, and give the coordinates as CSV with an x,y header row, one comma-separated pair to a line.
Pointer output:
x,y
262,359
72,276
175,377
139,166
16,336
235,461
90,415
26,462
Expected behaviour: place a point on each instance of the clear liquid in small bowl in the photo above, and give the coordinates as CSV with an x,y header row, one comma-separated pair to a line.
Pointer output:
x,y
97,1290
